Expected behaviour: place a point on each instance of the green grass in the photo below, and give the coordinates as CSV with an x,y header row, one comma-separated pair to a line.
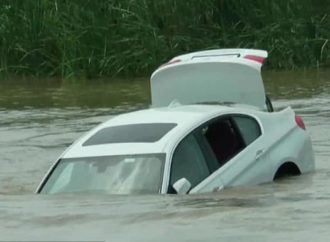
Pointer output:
x,y
90,39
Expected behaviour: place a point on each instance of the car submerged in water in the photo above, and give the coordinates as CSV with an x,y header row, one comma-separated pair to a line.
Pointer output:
x,y
210,126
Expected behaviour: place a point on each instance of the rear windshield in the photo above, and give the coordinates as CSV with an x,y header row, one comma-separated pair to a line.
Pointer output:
x,y
131,133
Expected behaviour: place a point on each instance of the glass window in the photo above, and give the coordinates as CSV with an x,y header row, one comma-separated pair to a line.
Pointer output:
x,y
223,139
188,162
131,133
122,174
248,127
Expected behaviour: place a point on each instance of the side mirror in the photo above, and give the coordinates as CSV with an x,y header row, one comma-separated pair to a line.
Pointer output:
x,y
182,186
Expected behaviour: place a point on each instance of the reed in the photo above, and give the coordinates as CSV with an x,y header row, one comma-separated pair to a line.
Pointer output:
x,y
74,38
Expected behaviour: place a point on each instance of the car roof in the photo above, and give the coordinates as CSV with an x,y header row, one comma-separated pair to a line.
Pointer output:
x,y
187,117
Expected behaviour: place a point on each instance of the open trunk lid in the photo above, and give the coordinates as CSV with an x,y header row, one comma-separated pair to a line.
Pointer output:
x,y
225,75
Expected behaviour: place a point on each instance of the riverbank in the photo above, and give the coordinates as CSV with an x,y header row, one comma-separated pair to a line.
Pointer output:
x,y
95,39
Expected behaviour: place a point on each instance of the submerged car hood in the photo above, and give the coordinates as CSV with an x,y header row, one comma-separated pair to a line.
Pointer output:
x,y
227,75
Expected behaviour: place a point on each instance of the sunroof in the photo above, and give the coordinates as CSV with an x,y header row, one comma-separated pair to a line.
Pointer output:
x,y
131,133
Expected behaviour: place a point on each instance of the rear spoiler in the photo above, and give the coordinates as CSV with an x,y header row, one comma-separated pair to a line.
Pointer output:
x,y
256,56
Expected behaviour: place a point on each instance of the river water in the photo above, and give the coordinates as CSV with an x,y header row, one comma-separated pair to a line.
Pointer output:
x,y
38,120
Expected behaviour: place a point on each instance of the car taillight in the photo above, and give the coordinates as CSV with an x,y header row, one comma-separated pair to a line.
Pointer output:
x,y
256,58
300,122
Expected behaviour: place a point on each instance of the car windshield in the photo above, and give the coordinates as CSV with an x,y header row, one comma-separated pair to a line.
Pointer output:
x,y
122,174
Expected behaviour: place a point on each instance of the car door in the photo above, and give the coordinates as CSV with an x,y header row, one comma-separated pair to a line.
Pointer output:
x,y
188,162
236,142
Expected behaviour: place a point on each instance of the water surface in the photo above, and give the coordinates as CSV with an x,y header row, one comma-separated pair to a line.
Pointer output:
x,y
39,120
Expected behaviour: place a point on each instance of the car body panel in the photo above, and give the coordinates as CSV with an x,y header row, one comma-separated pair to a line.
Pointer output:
x,y
229,75
253,164
210,76
278,144
186,117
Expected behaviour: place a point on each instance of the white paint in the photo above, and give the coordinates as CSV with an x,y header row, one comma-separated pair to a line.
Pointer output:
x,y
210,76
205,77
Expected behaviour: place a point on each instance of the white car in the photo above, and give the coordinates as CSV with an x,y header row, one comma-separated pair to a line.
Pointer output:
x,y
210,127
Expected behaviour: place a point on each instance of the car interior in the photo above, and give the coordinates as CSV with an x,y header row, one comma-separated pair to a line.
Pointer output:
x,y
224,140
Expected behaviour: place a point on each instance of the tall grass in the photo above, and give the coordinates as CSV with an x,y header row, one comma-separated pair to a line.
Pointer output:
x,y
74,38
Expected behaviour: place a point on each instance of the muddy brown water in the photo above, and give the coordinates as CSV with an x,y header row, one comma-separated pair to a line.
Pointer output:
x,y
39,120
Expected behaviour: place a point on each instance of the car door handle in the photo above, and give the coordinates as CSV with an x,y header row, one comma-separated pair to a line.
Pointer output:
x,y
259,153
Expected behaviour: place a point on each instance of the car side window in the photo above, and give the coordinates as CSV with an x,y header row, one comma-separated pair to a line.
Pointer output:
x,y
223,138
248,127
188,162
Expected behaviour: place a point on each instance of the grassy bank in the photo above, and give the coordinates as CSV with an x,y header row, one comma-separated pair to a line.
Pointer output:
x,y
74,38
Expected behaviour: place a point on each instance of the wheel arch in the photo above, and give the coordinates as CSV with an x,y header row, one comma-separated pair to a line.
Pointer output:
x,y
288,168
